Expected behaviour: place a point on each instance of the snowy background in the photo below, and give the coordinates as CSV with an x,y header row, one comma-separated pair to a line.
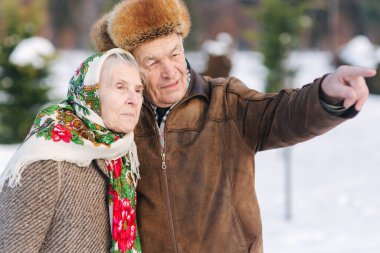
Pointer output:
x,y
335,177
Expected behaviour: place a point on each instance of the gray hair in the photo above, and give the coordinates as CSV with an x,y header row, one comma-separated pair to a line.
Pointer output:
x,y
117,57
125,58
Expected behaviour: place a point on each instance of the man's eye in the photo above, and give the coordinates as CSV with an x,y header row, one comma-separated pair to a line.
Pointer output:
x,y
151,64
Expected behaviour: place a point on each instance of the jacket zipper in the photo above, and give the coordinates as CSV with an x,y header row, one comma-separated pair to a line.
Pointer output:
x,y
164,173
169,207
163,165
166,185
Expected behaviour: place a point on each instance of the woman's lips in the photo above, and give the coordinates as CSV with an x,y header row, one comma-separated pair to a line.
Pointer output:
x,y
128,114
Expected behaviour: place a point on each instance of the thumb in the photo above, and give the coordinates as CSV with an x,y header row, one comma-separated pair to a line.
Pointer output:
x,y
349,95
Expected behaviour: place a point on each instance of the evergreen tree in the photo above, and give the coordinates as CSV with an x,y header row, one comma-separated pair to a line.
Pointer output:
x,y
280,24
23,89
192,42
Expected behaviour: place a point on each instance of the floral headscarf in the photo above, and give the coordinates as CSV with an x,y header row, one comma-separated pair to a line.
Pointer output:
x,y
73,131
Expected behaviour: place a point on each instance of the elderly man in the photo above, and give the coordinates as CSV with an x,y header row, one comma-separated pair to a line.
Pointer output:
x,y
197,136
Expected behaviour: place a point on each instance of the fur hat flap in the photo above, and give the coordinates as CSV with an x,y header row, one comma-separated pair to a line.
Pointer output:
x,y
100,36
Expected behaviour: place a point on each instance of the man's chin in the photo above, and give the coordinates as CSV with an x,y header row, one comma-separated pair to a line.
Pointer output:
x,y
168,101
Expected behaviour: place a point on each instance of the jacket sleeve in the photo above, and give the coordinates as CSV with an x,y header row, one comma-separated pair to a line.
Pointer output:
x,y
27,210
267,121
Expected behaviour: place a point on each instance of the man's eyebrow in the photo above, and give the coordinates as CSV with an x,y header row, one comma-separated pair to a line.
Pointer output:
x,y
178,47
149,58
154,58
175,48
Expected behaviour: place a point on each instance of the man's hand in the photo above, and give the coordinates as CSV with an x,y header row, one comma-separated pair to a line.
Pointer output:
x,y
347,85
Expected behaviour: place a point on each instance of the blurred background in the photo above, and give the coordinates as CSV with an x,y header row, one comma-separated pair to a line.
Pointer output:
x,y
319,196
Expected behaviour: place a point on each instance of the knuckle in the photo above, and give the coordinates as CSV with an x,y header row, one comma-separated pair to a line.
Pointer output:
x,y
343,68
351,94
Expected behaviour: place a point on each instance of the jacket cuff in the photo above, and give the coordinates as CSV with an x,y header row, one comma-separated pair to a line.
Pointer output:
x,y
336,110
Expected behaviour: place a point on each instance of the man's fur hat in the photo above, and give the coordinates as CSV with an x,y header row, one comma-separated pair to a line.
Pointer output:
x,y
133,22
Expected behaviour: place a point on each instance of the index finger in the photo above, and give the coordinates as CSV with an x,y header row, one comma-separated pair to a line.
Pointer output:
x,y
352,72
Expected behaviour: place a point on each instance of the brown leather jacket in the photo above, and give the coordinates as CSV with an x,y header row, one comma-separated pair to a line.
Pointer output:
x,y
205,200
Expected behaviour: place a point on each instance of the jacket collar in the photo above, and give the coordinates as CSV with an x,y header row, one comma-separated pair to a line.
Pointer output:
x,y
198,85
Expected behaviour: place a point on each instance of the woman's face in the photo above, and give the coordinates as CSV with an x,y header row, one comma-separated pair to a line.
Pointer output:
x,y
120,95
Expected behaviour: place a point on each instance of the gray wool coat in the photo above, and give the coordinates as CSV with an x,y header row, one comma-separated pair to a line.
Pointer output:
x,y
59,207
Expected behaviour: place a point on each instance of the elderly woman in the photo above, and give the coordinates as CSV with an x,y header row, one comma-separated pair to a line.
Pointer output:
x,y
70,187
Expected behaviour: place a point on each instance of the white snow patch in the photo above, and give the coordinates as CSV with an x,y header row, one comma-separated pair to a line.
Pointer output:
x,y
63,68
360,51
32,51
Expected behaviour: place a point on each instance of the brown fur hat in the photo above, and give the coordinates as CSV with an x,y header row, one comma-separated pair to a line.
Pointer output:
x,y
133,22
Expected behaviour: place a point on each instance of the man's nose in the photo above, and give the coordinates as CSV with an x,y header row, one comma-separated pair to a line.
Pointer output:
x,y
167,69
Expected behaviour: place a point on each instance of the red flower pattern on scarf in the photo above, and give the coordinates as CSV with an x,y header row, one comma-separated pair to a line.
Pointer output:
x,y
116,166
79,69
61,133
124,223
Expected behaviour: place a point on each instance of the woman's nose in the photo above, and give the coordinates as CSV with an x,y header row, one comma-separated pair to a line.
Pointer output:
x,y
132,98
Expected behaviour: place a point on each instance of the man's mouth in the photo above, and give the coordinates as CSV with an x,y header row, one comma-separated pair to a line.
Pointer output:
x,y
171,85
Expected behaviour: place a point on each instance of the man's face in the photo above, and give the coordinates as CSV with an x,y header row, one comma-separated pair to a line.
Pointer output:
x,y
163,69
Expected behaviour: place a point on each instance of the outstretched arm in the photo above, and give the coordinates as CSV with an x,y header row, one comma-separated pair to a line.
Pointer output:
x,y
291,116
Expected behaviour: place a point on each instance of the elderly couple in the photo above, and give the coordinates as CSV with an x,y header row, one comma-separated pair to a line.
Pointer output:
x,y
74,184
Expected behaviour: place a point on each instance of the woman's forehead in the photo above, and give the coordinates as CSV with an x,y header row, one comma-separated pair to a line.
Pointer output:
x,y
118,69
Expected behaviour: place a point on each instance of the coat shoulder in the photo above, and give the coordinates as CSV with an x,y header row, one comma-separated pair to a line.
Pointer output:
x,y
235,87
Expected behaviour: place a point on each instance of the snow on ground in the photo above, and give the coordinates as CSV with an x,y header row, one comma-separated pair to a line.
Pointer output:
x,y
336,207
336,178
